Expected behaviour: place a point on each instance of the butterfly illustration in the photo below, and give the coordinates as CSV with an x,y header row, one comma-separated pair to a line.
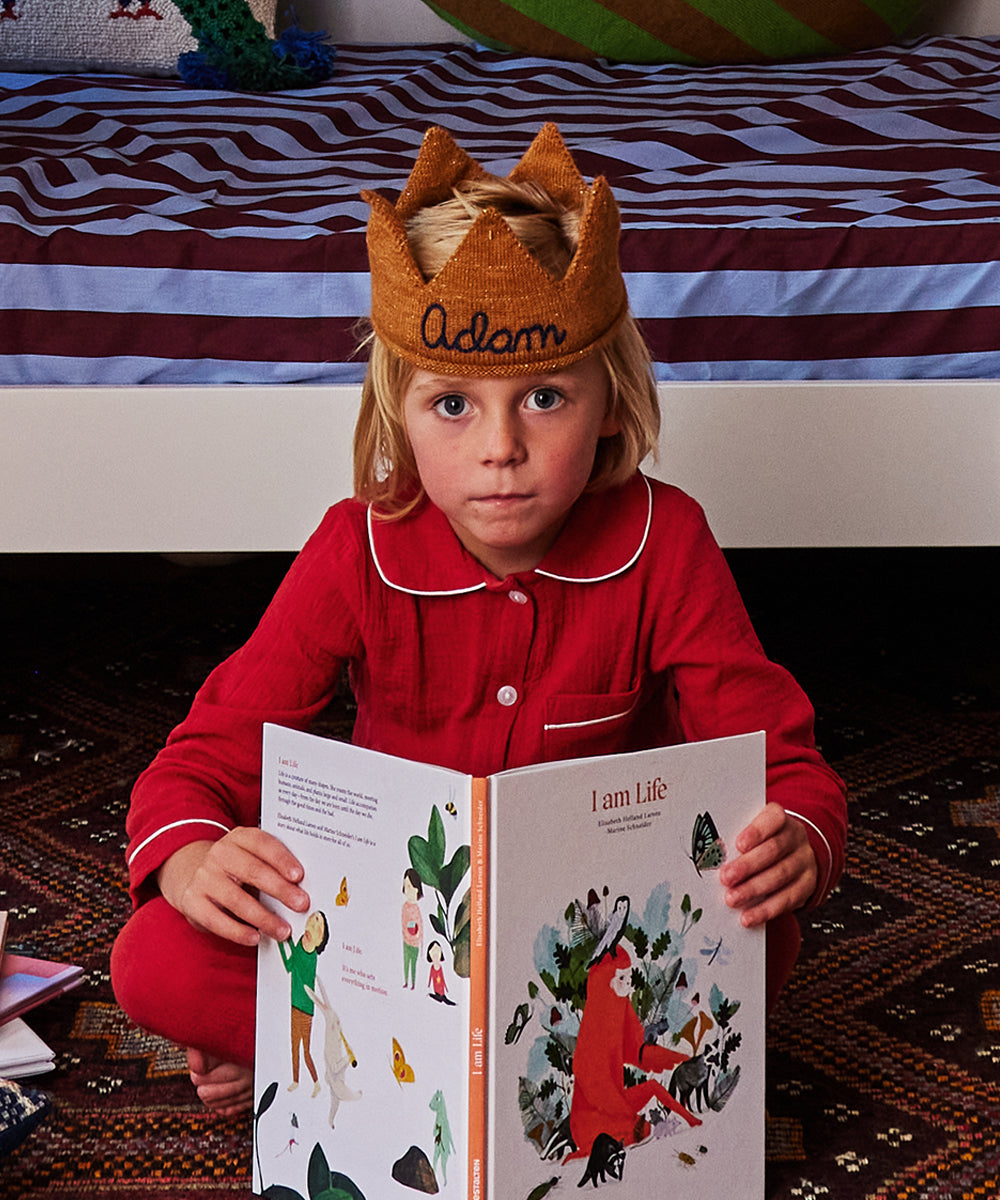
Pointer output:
x,y
516,1027
400,1067
342,895
707,849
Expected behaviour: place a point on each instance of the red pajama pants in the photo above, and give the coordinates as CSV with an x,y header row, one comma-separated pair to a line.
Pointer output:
x,y
199,991
188,986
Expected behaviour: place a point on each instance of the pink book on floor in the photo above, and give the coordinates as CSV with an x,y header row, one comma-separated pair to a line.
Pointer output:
x,y
27,982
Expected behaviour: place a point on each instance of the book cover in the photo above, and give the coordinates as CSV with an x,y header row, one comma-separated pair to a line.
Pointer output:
x,y
510,986
27,982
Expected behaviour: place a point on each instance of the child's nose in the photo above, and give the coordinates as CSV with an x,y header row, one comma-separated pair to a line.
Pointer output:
x,y
503,440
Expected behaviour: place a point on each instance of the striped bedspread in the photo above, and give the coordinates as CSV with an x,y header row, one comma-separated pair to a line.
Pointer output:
x,y
830,219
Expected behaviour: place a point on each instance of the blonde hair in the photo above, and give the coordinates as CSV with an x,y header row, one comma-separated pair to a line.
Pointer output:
x,y
385,471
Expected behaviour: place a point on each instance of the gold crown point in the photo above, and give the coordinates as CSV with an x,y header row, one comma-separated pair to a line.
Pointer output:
x,y
493,307
389,253
440,165
548,161
489,252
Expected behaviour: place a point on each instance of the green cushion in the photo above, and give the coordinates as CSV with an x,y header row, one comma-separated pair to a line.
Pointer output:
x,y
685,31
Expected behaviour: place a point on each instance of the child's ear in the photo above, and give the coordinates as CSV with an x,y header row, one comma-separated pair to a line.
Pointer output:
x,y
610,427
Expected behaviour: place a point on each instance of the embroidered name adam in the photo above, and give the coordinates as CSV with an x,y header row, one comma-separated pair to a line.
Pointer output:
x,y
478,336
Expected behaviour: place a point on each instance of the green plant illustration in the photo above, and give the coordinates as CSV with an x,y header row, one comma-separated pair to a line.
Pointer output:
x,y
323,1183
427,857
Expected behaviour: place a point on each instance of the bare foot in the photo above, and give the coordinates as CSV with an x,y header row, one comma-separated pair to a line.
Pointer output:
x,y
223,1088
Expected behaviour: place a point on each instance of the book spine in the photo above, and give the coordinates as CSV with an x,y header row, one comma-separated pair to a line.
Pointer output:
x,y
478,991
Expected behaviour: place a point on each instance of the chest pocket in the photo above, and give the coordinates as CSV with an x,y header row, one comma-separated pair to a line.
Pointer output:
x,y
576,726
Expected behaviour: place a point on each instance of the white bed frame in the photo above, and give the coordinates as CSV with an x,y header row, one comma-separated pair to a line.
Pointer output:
x,y
229,469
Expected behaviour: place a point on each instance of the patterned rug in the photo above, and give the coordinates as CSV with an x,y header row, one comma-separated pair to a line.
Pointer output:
x,y
884,1052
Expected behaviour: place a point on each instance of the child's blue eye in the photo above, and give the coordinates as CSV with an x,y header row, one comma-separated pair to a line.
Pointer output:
x,y
451,406
544,399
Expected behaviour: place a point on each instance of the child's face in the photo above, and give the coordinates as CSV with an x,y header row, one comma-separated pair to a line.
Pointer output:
x,y
315,930
506,459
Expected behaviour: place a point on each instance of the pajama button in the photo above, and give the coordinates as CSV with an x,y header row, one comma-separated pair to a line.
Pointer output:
x,y
507,695
518,597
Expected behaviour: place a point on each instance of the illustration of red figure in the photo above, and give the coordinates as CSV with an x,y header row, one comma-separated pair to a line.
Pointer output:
x,y
413,926
436,982
8,10
611,1036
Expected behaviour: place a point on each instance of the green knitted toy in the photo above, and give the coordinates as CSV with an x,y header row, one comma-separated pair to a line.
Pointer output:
x,y
234,51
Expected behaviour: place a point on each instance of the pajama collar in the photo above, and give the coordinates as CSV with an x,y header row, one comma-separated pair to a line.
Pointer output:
x,y
604,536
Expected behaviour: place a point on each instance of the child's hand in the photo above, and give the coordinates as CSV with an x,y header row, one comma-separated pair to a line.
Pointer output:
x,y
215,885
776,869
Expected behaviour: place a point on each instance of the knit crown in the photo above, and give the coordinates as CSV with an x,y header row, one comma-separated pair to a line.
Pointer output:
x,y
493,309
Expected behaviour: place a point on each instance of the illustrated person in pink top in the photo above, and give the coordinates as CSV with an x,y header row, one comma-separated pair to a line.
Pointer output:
x,y
413,926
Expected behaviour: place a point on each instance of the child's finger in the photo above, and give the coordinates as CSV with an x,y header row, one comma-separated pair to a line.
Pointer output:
x,y
765,825
782,886
231,912
752,861
271,850
206,914
779,892
771,836
249,913
240,859
783,880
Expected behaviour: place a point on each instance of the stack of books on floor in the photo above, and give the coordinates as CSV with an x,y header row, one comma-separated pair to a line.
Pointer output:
x,y
24,984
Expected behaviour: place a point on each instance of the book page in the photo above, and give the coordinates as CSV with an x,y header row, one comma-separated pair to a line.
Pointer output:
x,y
627,1036
385,847
22,1051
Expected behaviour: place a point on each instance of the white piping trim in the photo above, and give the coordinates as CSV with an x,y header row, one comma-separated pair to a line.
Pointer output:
x,y
618,570
820,891
174,825
592,721
477,587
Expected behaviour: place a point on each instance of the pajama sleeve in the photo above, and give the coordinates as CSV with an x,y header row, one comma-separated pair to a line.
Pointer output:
x,y
206,779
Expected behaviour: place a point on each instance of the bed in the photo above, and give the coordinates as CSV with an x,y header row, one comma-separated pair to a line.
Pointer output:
x,y
812,249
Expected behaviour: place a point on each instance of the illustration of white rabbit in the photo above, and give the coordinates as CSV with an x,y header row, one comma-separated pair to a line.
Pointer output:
x,y
337,1054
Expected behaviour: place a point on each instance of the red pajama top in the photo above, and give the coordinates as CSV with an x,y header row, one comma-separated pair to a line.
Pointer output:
x,y
629,634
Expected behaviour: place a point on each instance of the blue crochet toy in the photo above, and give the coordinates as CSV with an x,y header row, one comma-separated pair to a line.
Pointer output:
x,y
235,53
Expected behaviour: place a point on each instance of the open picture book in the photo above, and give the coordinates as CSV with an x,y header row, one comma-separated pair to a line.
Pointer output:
x,y
511,986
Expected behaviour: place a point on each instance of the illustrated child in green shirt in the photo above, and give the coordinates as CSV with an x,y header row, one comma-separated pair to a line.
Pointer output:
x,y
300,962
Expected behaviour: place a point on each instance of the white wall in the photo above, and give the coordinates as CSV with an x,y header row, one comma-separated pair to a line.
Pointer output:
x,y
368,21
413,21
971,17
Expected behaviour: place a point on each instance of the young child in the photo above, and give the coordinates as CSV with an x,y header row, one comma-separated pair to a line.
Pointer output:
x,y
505,588
299,960
412,923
